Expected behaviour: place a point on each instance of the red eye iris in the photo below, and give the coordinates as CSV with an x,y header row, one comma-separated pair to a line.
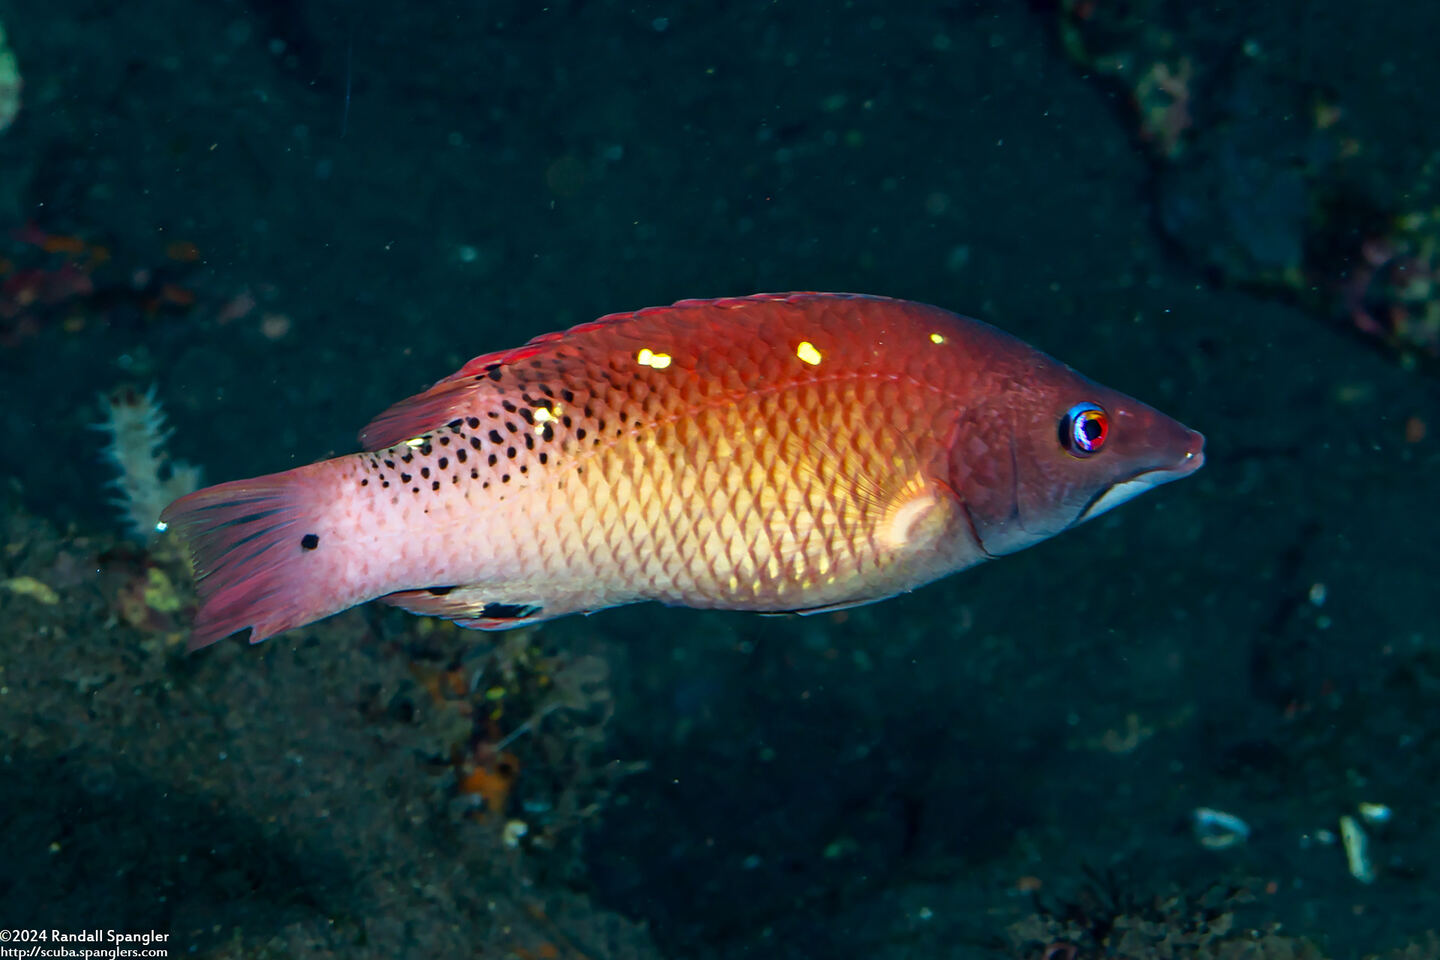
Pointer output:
x,y
1084,429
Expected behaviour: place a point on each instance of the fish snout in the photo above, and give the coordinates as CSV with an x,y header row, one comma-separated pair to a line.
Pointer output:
x,y
1192,455
1156,444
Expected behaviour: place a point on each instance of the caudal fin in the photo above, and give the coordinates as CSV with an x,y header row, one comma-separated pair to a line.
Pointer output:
x,y
251,548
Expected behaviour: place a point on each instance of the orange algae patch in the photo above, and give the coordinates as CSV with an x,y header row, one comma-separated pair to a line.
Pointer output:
x,y
182,251
546,951
445,687
60,243
1029,884
174,295
491,780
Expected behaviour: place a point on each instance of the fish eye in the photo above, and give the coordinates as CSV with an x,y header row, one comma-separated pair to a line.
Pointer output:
x,y
1083,429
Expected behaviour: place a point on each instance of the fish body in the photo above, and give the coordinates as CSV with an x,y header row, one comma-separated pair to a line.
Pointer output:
x,y
781,452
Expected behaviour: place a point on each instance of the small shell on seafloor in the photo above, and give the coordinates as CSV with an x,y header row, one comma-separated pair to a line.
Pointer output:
x,y
1218,830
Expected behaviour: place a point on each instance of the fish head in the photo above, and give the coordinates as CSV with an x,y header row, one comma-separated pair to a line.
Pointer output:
x,y
1047,449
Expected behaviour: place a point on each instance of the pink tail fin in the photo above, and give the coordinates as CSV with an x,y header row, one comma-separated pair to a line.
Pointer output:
x,y
252,549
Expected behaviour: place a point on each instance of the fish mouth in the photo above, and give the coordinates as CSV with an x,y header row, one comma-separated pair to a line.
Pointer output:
x,y
1190,459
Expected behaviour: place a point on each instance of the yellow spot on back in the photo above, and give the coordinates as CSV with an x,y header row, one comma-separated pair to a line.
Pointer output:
x,y
937,338
806,351
649,358
416,441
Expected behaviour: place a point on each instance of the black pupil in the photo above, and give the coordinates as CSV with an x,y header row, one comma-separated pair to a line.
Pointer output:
x,y
1090,431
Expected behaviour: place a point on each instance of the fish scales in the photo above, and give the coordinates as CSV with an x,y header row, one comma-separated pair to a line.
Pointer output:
x,y
663,486
784,452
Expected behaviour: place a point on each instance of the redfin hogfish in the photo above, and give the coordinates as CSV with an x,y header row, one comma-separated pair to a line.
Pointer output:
x,y
784,452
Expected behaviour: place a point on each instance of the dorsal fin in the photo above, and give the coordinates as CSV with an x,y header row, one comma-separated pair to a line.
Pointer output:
x,y
416,416
448,399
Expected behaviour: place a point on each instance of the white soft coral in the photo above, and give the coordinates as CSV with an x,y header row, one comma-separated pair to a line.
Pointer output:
x,y
149,479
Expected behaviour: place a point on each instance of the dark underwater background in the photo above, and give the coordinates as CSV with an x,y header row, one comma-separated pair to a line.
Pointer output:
x,y
284,216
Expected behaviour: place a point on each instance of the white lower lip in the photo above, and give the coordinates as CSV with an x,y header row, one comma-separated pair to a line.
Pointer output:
x,y
1129,489
1120,492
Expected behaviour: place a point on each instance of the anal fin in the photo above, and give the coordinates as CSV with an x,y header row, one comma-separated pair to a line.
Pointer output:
x,y
472,605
